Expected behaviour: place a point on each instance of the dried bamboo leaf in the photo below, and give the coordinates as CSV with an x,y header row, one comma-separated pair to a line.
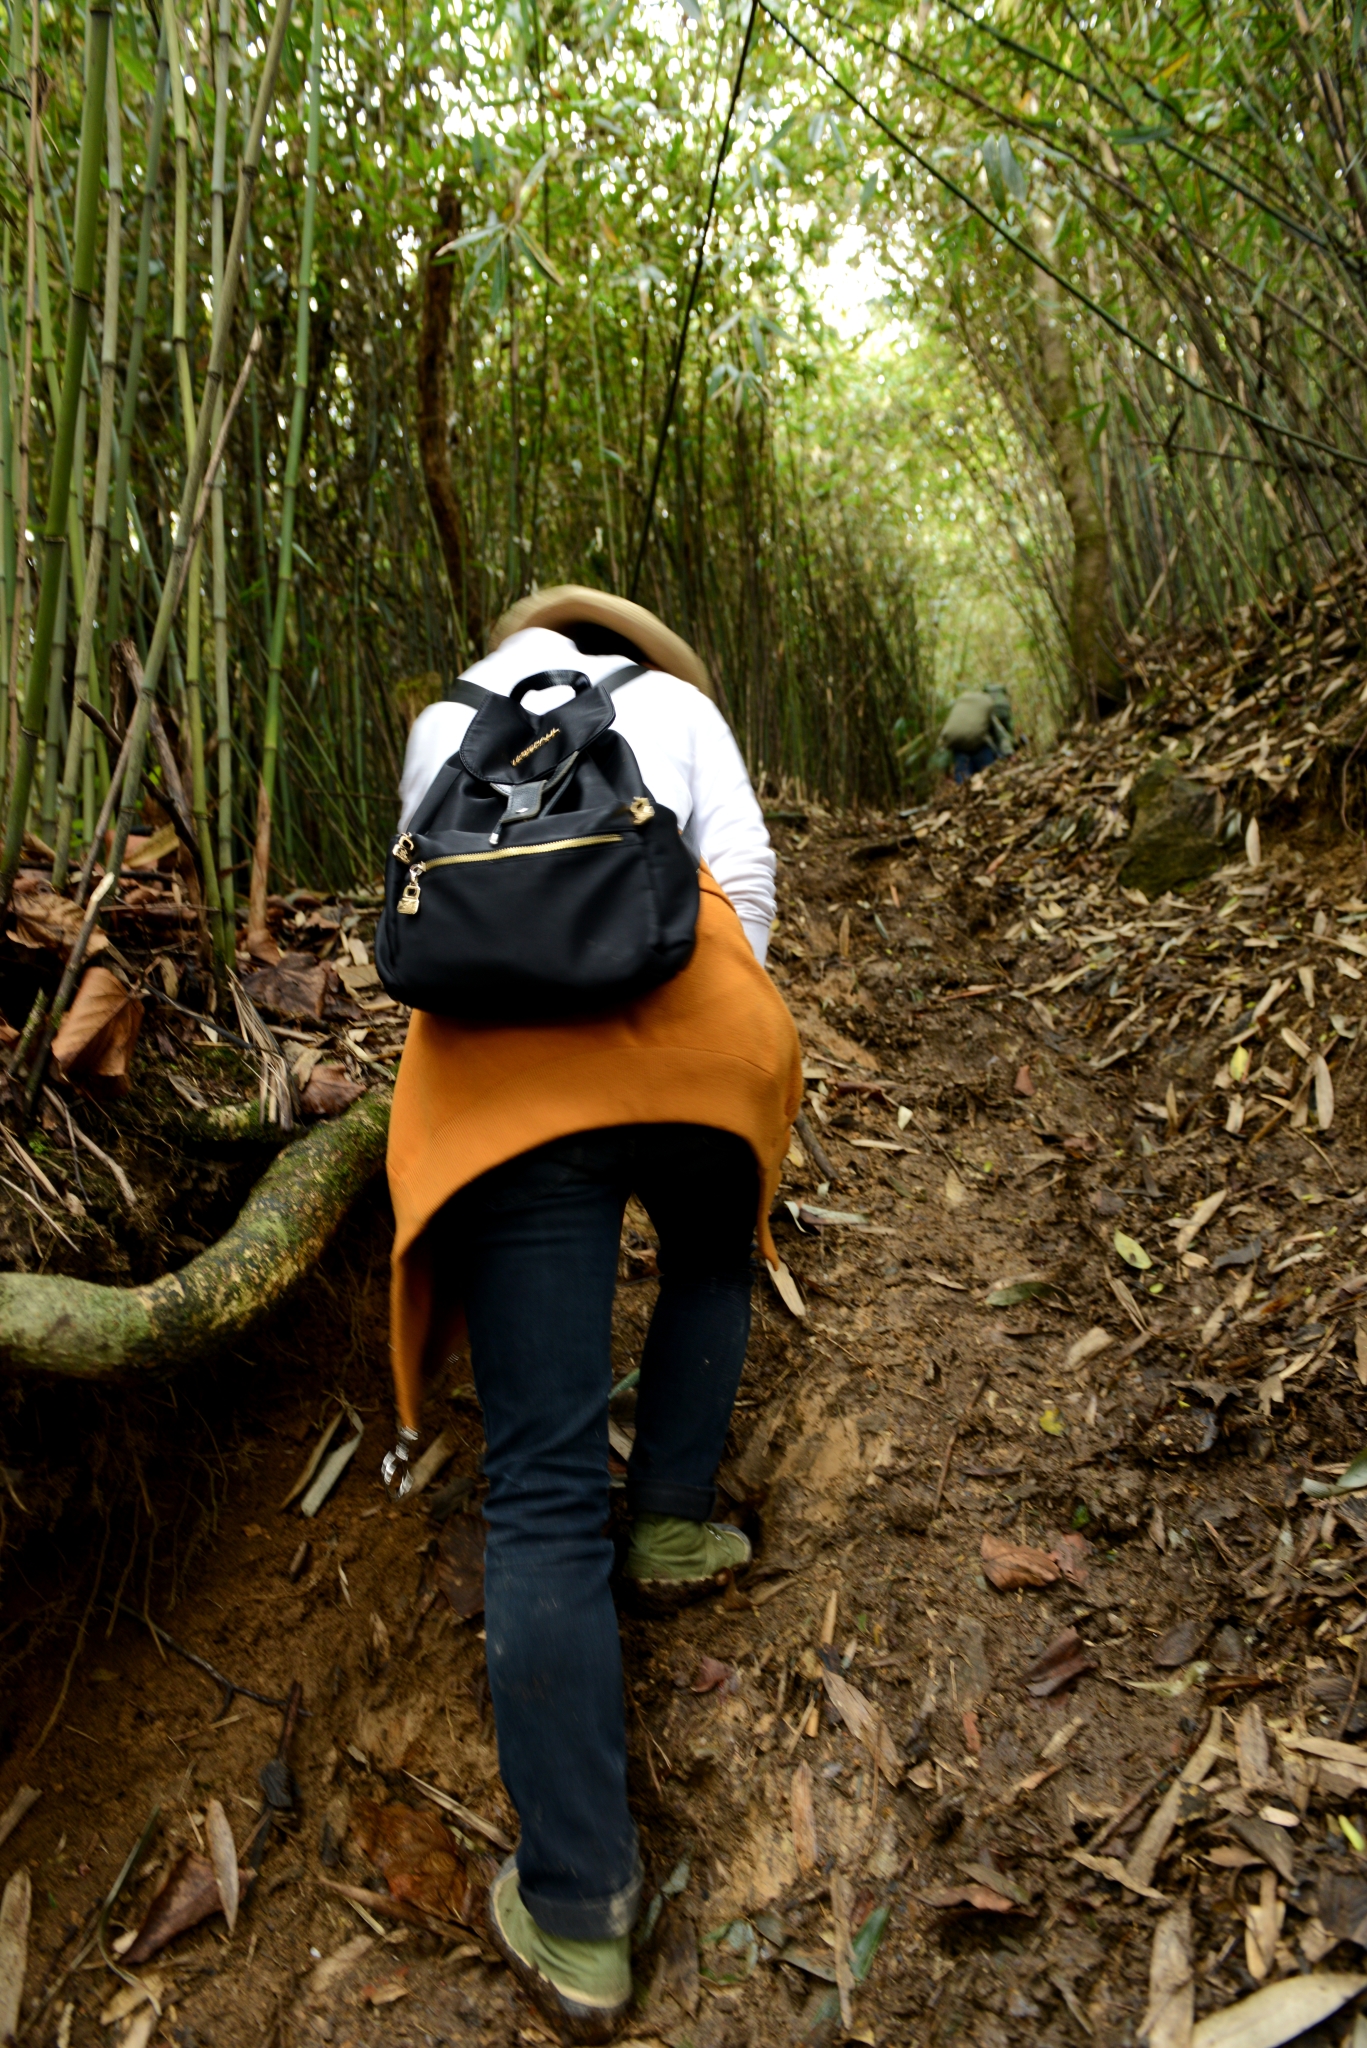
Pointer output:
x,y
865,1723
1172,1991
223,1856
15,1910
1279,2012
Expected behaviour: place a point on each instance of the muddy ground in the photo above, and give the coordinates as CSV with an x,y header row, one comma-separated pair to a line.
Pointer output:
x,y
989,1147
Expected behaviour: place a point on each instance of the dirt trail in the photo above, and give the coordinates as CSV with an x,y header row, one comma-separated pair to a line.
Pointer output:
x,y
1009,1063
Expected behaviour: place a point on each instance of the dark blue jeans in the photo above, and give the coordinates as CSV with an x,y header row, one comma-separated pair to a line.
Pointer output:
x,y
533,1248
971,764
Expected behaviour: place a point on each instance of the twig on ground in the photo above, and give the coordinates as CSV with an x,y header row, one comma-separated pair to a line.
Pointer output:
x,y
464,1815
944,1470
29,1163
24,1798
1135,1800
116,1172
813,1147
34,1203
230,1688
1353,1691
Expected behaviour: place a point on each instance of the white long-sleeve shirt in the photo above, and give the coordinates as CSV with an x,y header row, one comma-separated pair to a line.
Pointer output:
x,y
683,746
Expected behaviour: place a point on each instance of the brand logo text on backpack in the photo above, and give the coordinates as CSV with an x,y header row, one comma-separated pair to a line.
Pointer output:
x,y
534,745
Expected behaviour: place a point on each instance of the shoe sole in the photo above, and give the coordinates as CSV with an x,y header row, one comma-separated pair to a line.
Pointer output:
x,y
669,1596
577,2023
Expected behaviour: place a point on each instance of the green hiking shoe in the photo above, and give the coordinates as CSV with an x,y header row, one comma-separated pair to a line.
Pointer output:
x,y
583,1987
672,1561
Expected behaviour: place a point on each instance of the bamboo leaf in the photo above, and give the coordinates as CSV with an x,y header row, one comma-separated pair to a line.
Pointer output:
x,y
537,256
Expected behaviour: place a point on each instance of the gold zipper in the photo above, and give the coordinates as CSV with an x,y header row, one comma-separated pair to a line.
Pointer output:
x,y
408,902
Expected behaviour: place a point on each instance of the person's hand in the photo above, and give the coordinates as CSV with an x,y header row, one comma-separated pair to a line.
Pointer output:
x,y
396,1464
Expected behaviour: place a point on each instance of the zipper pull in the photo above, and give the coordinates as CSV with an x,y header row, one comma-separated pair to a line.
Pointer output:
x,y
408,902
403,848
641,810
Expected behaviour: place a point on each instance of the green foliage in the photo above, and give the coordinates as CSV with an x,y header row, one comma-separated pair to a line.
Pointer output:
x,y
861,504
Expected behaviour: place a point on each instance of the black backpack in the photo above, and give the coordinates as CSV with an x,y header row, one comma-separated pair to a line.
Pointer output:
x,y
538,879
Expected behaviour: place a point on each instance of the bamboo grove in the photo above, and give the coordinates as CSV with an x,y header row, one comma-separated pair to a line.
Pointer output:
x,y
523,291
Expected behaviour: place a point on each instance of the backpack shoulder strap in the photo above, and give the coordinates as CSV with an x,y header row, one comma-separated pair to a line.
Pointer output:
x,y
621,676
462,691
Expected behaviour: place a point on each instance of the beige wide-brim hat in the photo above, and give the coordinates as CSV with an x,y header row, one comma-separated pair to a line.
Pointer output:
x,y
570,604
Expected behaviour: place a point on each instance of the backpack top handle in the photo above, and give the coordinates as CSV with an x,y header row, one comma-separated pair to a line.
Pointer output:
x,y
462,691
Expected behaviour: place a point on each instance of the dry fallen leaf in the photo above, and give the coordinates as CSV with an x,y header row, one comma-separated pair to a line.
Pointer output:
x,y
1279,2012
189,1896
1118,1873
329,1092
1324,1091
1199,1218
42,918
334,1967
1009,1566
711,1675
129,1997
223,1856
1087,1347
982,1898
1172,1991
1181,1643
387,1992
417,1858
865,1723
460,1564
787,1289
1064,1660
1070,1552
95,1041
1262,1927
955,1191
1254,1753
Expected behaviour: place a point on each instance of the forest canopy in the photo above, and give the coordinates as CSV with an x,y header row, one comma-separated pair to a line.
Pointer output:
x,y
883,353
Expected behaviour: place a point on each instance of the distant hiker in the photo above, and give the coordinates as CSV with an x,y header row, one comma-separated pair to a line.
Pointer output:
x,y
514,1145
978,730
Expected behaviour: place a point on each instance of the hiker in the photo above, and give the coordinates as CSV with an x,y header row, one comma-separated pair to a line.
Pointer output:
x,y
978,730
513,1149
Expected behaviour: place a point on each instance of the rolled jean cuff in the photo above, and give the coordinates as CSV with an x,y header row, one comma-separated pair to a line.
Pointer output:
x,y
587,1919
663,1497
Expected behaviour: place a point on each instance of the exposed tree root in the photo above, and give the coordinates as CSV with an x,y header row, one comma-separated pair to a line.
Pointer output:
x,y
52,1324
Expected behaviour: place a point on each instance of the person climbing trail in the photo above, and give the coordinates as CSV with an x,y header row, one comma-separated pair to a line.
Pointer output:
x,y
978,730
514,1146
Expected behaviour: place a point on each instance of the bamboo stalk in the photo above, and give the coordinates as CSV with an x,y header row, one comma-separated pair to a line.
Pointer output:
x,y
118,528
55,536
26,399
218,530
180,262
83,738
270,745
8,388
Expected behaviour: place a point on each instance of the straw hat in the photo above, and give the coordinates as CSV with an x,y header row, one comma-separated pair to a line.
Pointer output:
x,y
568,605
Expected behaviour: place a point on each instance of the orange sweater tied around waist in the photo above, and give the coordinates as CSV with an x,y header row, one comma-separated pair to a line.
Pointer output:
x,y
714,1046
